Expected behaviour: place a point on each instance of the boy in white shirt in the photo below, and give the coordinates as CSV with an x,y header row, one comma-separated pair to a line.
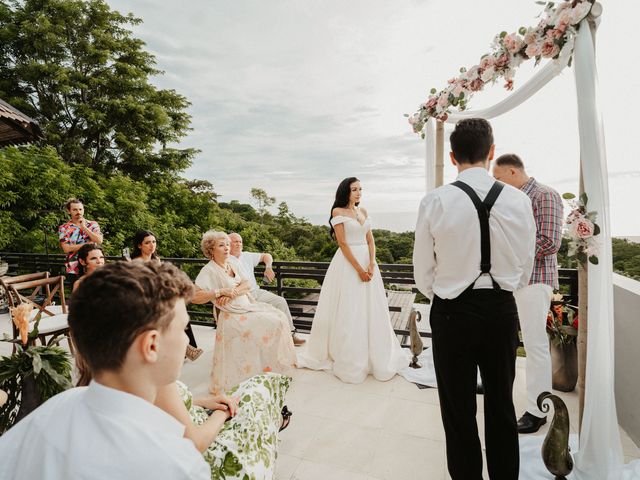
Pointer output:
x,y
128,322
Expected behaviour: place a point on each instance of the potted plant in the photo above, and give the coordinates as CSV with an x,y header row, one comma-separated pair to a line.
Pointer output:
x,y
562,327
33,373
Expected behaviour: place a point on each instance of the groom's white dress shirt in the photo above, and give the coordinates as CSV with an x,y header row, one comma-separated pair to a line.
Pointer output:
x,y
97,432
446,254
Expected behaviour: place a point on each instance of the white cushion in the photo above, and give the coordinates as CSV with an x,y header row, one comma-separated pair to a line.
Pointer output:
x,y
52,324
55,309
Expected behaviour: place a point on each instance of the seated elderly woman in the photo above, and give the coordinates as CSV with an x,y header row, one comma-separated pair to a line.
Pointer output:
x,y
252,337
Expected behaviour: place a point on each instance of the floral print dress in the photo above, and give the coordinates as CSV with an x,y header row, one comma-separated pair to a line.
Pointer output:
x,y
245,448
251,337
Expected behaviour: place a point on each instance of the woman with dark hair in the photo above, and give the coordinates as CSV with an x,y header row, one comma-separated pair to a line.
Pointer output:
x,y
90,257
144,248
351,333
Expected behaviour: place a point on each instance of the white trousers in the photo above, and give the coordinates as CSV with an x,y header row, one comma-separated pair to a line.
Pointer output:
x,y
533,303
275,300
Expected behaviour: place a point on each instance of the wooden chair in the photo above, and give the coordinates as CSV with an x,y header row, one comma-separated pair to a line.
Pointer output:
x,y
53,322
5,281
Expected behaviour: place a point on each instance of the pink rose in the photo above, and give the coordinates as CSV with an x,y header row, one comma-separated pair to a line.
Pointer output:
x,y
583,228
531,36
473,73
476,85
502,61
443,101
533,50
486,62
457,90
554,33
591,250
513,43
488,74
549,50
431,103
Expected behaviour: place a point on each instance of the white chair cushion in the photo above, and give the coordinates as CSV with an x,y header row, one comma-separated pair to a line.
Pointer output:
x,y
52,324
55,309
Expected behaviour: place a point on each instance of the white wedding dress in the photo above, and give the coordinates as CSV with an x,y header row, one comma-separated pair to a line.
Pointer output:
x,y
351,333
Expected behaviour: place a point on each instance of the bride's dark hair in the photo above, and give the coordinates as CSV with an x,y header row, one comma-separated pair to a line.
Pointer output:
x,y
342,199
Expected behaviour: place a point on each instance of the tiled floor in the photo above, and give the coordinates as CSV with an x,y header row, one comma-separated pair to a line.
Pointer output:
x,y
375,430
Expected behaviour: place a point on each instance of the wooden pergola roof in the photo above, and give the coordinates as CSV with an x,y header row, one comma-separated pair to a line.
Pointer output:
x,y
16,127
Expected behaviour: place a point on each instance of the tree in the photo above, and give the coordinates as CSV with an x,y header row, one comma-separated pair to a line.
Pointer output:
x,y
74,66
263,200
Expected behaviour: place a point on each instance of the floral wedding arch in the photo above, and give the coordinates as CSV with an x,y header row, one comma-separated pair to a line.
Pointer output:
x,y
565,34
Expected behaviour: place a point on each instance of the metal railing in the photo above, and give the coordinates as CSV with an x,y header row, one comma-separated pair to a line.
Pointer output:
x,y
289,276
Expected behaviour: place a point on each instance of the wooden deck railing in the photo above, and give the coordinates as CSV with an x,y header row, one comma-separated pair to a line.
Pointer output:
x,y
287,282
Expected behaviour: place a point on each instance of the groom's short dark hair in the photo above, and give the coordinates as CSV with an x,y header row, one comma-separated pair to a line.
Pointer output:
x,y
471,140
117,302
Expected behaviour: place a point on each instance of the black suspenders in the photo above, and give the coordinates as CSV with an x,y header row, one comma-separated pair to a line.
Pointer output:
x,y
483,207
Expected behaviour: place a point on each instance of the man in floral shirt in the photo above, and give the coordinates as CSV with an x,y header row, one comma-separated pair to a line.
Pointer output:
x,y
75,233
534,300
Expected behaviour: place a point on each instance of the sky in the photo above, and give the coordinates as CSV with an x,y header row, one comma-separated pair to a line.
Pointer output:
x,y
292,96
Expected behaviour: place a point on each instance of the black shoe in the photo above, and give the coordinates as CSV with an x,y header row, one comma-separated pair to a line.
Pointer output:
x,y
530,423
286,417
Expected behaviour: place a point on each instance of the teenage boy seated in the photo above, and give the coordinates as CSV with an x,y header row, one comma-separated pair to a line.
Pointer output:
x,y
127,321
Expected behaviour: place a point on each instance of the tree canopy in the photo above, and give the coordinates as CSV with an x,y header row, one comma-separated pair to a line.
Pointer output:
x,y
75,67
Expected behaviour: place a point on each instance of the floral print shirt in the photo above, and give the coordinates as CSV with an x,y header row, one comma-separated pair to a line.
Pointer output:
x,y
72,234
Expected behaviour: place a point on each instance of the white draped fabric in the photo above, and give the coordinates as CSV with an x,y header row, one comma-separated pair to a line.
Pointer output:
x,y
600,452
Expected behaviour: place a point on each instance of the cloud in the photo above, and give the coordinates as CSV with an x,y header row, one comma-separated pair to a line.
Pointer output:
x,y
294,96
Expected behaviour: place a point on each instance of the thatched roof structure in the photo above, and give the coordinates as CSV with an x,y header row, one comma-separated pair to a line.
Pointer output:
x,y
16,127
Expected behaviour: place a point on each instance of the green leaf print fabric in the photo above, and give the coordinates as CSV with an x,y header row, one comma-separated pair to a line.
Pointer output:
x,y
245,448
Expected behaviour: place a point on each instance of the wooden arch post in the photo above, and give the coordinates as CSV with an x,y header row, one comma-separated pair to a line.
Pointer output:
x,y
439,167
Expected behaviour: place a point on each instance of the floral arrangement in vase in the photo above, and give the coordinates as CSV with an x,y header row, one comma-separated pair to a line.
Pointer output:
x,y
562,321
33,373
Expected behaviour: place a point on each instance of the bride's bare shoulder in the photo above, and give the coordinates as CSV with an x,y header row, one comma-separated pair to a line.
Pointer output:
x,y
338,211
364,211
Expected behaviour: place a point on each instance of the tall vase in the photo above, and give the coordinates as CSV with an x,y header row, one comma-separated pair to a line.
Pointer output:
x,y
564,366
30,397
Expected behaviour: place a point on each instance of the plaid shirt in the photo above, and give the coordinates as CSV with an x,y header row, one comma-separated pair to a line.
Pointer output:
x,y
547,211
73,235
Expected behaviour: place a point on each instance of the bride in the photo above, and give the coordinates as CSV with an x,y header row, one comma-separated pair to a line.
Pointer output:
x,y
351,332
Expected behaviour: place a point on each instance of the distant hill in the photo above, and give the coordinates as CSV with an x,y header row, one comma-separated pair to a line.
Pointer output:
x,y
632,239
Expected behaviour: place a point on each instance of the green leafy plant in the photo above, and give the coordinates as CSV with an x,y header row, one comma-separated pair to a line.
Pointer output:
x,y
33,373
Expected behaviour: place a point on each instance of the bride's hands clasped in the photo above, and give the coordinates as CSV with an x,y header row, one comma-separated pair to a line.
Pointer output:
x,y
365,275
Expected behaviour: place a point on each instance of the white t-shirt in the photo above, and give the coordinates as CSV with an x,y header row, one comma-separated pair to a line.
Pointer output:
x,y
99,433
247,262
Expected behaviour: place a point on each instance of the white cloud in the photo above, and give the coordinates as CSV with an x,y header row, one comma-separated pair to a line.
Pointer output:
x,y
292,96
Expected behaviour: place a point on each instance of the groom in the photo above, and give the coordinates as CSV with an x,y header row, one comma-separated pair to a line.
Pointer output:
x,y
474,245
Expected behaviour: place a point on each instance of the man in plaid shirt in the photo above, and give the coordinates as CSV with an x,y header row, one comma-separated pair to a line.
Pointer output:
x,y
534,300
